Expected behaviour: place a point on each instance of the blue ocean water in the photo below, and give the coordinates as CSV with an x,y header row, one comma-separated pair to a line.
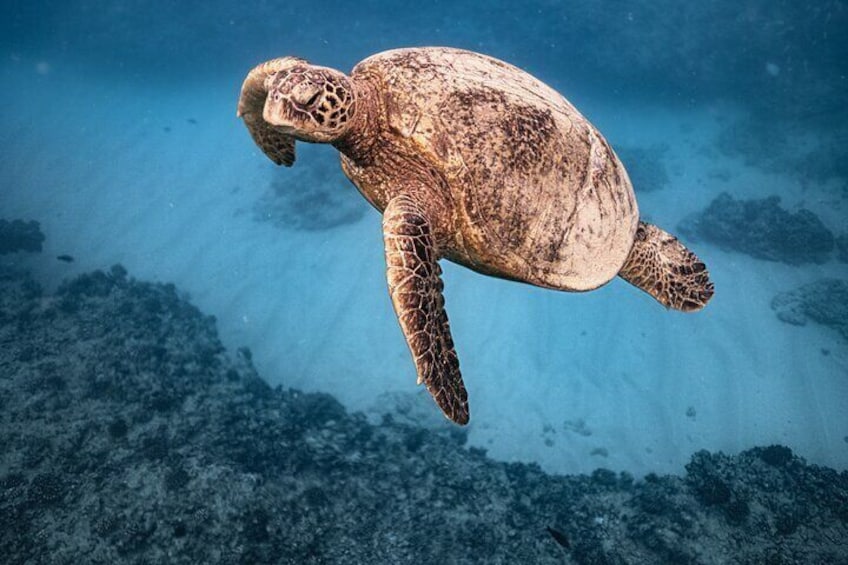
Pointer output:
x,y
132,426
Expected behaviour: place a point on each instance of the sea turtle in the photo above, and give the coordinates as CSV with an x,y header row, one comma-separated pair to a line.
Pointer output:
x,y
476,161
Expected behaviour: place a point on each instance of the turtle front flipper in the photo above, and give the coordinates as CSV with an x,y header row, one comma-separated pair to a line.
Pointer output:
x,y
664,268
415,286
276,144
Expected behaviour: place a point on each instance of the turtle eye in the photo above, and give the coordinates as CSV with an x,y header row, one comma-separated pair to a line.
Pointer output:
x,y
305,93
312,99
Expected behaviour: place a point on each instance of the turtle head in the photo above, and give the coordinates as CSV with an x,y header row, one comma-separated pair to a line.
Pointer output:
x,y
288,99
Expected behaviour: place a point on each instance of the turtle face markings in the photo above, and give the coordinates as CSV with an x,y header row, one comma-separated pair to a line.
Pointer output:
x,y
309,103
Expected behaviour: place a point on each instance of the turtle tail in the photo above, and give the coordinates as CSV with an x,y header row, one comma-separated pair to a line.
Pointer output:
x,y
664,268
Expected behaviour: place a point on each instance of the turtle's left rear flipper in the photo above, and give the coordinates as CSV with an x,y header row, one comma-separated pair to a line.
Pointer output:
x,y
416,286
664,268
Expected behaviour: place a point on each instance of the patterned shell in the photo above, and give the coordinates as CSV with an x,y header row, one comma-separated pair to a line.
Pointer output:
x,y
538,194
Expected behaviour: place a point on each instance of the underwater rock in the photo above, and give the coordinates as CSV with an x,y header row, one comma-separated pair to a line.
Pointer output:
x,y
130,435
645,166
763,229
19,235
775,455
18,301
824,301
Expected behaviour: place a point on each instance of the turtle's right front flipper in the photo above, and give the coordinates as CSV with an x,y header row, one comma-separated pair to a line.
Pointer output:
x,y
276,144
416,286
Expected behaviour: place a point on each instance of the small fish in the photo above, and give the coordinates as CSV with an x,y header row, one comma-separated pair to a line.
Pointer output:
x,y
192,121
559,537
65,258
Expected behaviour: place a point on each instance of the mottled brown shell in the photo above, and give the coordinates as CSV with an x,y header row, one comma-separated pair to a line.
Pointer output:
x,y
536,192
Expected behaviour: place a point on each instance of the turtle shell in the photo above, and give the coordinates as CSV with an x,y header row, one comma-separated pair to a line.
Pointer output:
x,y
538,195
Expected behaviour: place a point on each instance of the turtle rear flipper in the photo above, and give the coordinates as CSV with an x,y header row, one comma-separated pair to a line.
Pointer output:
x,y
664,268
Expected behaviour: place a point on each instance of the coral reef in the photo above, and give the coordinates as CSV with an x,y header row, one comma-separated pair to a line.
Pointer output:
x,y
825,302
763,229
645,166
130,436
19,235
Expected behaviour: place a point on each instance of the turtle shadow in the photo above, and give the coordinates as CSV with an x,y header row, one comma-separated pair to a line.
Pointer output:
x,y
312,197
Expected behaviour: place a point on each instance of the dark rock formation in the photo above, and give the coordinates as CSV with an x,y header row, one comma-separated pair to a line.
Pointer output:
x,y
824,302
762,229
19,235
129,436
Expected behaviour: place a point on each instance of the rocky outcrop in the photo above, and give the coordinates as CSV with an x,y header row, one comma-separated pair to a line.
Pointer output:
x,y
130,436
19,235
824,302
763,229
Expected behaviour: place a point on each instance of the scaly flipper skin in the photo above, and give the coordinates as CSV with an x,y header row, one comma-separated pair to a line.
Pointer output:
x,y
662,266
415,286
277,145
